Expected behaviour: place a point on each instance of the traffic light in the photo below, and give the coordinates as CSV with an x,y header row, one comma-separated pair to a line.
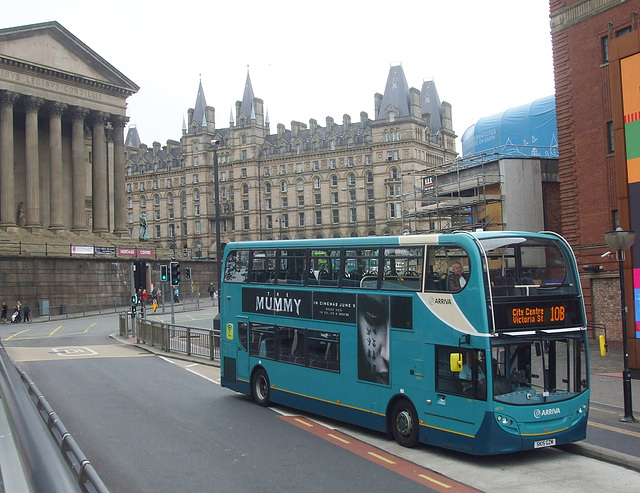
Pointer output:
x,y
133,309
175,273
163,273
134,299
187,272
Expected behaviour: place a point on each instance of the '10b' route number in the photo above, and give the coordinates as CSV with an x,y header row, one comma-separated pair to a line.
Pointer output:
x,y
557,313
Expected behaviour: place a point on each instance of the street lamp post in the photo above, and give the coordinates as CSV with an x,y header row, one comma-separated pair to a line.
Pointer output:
x,y
620,240
214,145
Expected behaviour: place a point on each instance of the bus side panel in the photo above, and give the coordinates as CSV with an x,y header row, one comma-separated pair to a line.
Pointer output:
x,y
331,410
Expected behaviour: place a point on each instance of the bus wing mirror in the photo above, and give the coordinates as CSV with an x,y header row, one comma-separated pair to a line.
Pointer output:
x,y
603,345
455,362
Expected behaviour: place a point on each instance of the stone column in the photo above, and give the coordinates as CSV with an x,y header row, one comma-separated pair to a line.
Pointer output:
x,y
56,222
32,154
7,181
79,194
99,174
120,208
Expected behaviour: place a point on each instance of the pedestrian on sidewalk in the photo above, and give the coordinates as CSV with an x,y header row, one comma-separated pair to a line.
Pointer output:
x,y
5,309
27,312
155,304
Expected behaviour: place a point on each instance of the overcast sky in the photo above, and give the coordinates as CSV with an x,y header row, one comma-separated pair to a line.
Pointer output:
x,y
484,57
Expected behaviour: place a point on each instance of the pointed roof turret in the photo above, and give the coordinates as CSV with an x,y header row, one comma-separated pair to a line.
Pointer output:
x,y
396,93
133,139
246,107
231,117
201,104
430,103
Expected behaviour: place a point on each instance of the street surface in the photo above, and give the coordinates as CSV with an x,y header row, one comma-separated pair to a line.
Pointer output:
x,y
153,423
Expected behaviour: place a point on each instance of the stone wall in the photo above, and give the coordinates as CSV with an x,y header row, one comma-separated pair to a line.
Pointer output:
x,y
74,284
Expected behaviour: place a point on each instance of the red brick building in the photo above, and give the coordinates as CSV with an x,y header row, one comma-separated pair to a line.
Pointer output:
x,y
582,32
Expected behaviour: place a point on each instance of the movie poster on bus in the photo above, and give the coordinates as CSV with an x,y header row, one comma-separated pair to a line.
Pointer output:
x,y
276,301
334,307
374,325
630,73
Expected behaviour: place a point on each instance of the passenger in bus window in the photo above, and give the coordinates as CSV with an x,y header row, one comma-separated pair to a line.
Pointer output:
x,y
457,280
373,338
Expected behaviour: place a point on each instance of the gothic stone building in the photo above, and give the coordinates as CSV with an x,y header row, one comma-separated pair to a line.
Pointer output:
x,y
348,178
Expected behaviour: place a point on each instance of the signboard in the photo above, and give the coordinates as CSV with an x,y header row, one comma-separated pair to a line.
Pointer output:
x,y
630,75
81,250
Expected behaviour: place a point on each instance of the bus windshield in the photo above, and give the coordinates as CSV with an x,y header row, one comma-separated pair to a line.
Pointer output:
x,y
540,369
521,266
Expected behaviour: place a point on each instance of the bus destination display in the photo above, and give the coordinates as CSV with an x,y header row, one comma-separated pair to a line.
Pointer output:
x,y
522,316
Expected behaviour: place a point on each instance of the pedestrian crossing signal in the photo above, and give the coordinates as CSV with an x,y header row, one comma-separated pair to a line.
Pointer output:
x,y
175,273
187,272
163,273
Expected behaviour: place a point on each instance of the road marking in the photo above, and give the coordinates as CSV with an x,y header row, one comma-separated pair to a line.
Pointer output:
x,y
55,330
338,438
634,434
74,351
88,328
306,423
16,334
377,456
444,485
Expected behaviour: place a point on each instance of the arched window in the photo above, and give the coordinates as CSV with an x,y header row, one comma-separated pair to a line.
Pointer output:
x,y
184,197
334,180
169,198
156,199
394,173
317,182
351,179
369,176
143,201
300,185
130,202
267,188
283,186
196,194
245,189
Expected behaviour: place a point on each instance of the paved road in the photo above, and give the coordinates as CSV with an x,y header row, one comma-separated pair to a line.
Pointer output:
x,y
527,471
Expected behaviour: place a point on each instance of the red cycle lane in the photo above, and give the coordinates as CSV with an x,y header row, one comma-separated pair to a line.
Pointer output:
x,y
400,466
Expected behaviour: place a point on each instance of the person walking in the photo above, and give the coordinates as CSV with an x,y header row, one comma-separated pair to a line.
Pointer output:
x,y
5,309
27,312
211,290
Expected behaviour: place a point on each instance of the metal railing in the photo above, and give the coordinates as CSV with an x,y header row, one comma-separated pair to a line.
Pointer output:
x,y
50,457
175,338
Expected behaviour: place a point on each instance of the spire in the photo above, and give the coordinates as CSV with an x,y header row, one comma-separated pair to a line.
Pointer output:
x,y
246,107
430,103
201,104
133,139
231,117
267,118
396,93
184,125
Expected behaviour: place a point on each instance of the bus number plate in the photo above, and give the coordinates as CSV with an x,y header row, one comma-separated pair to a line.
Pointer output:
x,y
550,442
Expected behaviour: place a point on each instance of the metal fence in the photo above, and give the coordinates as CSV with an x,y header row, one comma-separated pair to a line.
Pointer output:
x,y
173,338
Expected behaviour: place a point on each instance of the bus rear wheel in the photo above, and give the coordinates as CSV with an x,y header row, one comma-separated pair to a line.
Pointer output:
x,y
404,423
260,387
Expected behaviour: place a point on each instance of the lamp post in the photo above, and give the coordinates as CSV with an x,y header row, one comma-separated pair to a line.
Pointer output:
x,y
620,240
214,145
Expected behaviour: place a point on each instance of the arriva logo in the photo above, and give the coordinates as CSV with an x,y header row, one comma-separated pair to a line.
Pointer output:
x,y
539,413
439,301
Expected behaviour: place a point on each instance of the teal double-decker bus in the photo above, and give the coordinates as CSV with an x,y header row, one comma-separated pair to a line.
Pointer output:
x,y
475,342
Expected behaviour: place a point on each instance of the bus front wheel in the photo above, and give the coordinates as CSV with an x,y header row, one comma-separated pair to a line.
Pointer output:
x,y
260,387
404,423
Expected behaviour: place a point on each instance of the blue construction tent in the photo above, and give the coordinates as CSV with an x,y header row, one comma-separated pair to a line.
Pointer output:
x,y
529,130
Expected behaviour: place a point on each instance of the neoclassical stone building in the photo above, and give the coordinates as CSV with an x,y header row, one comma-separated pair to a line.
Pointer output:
x,y
342,179
62,119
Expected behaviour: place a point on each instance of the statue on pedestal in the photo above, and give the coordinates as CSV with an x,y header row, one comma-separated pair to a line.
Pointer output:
x,y
143,227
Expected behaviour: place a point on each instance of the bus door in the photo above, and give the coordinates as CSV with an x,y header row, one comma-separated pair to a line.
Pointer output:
x,y
242,351
459,402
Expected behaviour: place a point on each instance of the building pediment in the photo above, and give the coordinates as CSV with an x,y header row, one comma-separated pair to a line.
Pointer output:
x,y
48,48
